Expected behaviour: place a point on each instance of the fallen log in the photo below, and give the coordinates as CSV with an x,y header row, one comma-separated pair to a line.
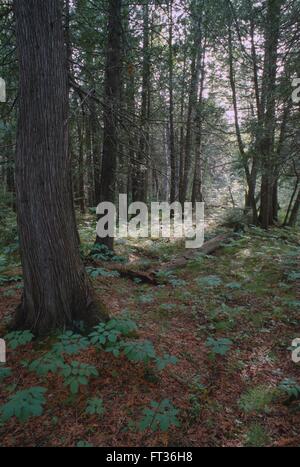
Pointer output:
x,y
150,277
126,272
208,248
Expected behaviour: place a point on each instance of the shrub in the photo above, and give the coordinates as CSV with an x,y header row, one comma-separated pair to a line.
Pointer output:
x,y
257,400
24,404
161,416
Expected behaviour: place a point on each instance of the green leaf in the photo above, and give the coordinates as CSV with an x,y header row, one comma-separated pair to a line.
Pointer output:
x,y
18,338
24,404
95,407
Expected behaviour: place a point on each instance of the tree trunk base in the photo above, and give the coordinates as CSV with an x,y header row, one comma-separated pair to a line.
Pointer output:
x,y
79,319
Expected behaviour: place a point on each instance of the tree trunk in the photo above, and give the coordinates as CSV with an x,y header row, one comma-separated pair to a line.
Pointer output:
x,y
111,110
171,108
81,191
57,292
269,105
295,212
193,97
197,195
250,176
95,130
140,175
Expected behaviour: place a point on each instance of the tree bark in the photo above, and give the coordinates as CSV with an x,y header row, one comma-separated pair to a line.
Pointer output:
x,y
141,169
250,176
295,212
171,108
112,109
57,292
269,105
193,98
197,195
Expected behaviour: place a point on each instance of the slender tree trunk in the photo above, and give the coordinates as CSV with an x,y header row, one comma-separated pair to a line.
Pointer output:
x,y
141,169
95,130
171,107
269,104
182,128
197,195
295,212
90,177
250,177
81,192
193,98
112,109
294,194
57,292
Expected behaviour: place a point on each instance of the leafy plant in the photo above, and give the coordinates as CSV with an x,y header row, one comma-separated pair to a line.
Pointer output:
x,y
77,374
4,373
164,361
161,416
106,338
210,281
257,400
294,276
70,343
108,333
49,363
7,279
175,282
100,272
234,286
24,404
83,444
146,299
219,346
139,351
126,327
290,387
18,338
257,437
95,407
103,253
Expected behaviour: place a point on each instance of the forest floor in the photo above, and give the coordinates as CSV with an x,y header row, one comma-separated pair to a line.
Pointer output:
x,y
229,319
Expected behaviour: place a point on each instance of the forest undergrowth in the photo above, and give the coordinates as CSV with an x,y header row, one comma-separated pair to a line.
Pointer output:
x,y
202,358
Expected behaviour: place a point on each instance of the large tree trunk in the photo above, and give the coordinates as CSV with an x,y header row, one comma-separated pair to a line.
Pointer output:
x,y
57,292
111,110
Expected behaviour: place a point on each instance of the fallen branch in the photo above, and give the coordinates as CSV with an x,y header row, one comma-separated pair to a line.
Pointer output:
x,y
150,277
126,272
209,247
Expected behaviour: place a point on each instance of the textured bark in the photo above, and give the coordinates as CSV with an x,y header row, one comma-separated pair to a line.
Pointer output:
x,y
57,292
81,191
192,105
111,110
140,178
295,212
197,195
171,108
269,105
250,176
290,207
